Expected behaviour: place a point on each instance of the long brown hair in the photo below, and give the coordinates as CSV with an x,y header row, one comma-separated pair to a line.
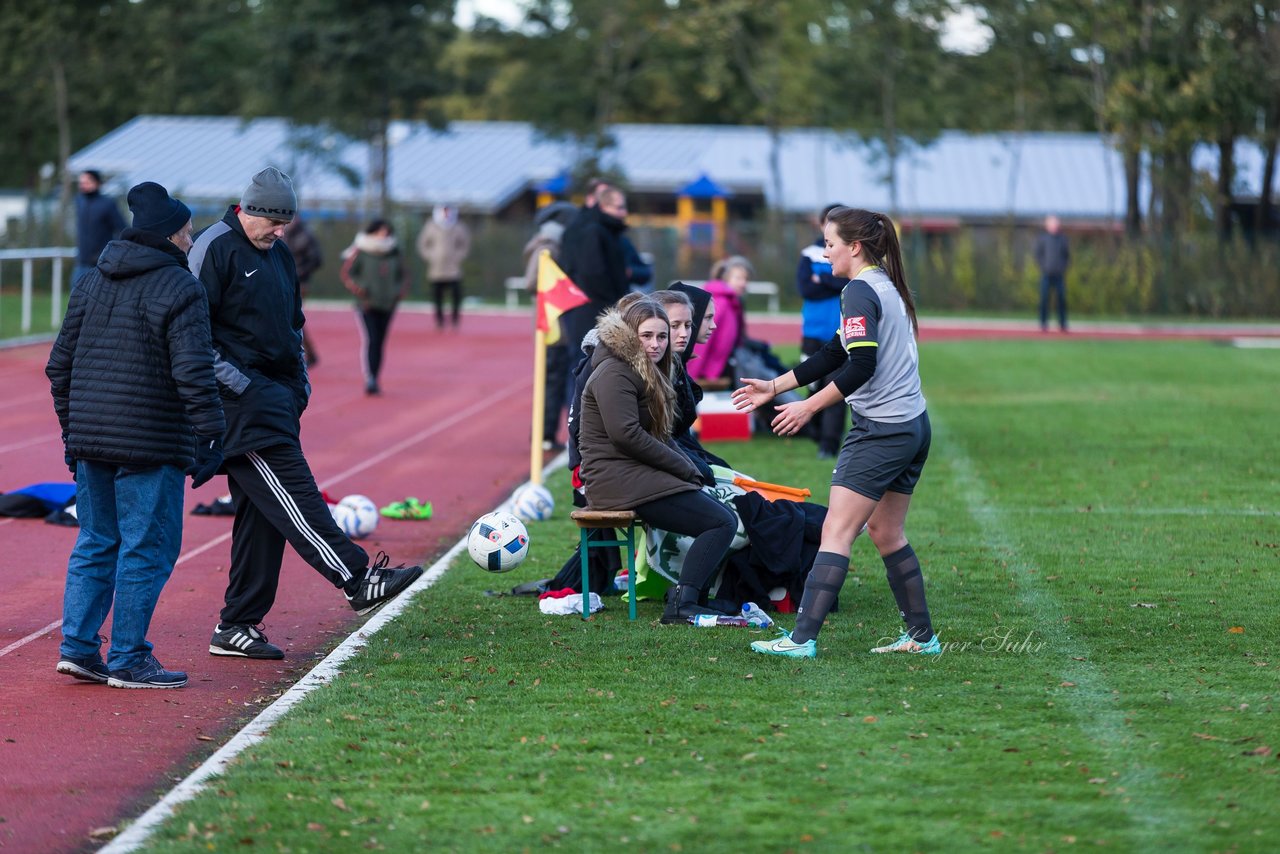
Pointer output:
x,y
660,394
879,239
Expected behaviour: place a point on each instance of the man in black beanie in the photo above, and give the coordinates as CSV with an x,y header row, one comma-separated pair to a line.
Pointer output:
x,y
255,307
133,387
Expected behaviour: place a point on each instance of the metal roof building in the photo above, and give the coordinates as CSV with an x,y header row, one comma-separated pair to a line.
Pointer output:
x,y
484,167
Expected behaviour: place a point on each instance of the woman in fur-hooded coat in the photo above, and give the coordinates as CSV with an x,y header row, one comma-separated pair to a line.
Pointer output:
x,y
628,459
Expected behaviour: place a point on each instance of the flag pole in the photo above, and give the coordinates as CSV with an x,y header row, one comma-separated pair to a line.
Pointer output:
x,y
539,404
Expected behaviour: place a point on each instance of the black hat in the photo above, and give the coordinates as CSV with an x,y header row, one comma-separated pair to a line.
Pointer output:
x,y
156,211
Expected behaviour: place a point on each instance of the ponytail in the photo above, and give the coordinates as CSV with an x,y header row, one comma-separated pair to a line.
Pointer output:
x,y
879,237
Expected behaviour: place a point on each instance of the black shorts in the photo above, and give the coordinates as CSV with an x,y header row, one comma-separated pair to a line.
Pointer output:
x,y
877,457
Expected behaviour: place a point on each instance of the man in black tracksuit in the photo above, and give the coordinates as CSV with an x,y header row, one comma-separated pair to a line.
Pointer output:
x,y
255,309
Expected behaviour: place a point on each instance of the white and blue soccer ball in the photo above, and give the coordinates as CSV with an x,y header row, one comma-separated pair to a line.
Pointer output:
x,y
533,503
498,541
356,515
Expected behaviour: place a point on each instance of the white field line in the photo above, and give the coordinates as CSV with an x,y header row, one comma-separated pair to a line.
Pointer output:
x,y
256,730
1091,701
27,443
1126,511
414,439
29,638
221,538
31,398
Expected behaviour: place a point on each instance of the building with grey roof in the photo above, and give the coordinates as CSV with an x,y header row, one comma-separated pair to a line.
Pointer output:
x,y
493,168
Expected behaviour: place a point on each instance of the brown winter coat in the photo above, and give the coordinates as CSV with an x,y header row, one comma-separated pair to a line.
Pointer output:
x,y
443,248
627,458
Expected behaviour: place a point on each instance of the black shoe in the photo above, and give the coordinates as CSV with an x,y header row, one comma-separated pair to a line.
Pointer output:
x,y
372,389
87,669
682,605
381,584
824,454
150,674
244,641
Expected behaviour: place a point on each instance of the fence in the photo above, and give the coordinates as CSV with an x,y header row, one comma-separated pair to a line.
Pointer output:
x,y
32,262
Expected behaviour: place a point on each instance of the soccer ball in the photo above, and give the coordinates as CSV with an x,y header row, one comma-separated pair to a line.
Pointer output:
x,y
533,503
498,541
356,515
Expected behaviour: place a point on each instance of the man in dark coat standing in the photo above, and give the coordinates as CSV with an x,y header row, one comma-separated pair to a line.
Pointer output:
x,y
592,256
255,307
132,380
98,221
1052,257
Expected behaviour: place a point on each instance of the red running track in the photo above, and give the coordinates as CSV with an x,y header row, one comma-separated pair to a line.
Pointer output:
x,y
452,427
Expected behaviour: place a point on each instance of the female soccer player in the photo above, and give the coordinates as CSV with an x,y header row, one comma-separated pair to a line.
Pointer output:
x,y
884,452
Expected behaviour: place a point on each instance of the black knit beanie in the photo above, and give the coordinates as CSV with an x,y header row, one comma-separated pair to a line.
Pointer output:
x,y
156,211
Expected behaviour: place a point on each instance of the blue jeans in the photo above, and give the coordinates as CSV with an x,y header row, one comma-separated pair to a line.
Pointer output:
x,y
1057,285
130,533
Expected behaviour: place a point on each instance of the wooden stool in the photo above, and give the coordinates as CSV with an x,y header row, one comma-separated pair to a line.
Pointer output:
x,y
588,520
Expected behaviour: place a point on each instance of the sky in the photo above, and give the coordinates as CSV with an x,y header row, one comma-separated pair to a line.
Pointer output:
x,y
964,32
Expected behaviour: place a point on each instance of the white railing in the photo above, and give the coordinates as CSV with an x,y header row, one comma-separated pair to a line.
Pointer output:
x,y
28,257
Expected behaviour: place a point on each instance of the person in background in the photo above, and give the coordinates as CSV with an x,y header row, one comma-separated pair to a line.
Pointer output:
x,y
132,379
375,273
592,256
692,316
307,258
639,271
98,221
819,317
255,310
550,222
443,244
885,452
1053,255
728,289
629,461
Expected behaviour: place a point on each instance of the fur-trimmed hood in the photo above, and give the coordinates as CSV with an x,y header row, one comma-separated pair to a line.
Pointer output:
x,y
620,340
372,244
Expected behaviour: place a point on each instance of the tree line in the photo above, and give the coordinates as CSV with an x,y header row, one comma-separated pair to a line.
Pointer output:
x,y
1159,77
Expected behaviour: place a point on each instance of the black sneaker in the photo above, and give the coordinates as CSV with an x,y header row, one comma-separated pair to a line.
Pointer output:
x,y
244,641
150,674
87,669
381,584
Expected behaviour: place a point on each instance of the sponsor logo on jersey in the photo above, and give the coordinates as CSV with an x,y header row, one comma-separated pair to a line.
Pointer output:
x,y
855,327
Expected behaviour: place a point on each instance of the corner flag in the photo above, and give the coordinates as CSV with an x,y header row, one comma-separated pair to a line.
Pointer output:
x,y
556,295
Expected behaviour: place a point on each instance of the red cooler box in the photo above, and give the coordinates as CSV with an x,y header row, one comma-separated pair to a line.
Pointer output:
x,y
718,421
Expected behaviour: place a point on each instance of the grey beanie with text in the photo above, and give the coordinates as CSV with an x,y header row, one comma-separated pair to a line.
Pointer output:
x,y
270,194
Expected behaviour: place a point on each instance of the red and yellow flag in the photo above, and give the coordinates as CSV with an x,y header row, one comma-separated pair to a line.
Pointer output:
x,y
556,295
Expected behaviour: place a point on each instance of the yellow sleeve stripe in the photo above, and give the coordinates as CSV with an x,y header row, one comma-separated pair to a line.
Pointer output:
x,y
862,344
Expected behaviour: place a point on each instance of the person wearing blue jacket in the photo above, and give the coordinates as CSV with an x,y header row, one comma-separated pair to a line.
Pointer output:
x,y
131,374
819,318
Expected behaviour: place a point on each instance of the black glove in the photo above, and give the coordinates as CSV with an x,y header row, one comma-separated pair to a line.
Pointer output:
x,y
70,461
208,460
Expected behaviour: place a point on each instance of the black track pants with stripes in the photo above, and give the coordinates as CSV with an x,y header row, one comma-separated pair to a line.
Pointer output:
x,y
277,500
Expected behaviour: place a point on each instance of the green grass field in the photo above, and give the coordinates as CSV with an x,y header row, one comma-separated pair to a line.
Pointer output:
x,y
41,309
1100,529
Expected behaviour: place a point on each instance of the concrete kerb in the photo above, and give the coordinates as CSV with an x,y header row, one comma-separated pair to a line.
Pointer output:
x,y
137,833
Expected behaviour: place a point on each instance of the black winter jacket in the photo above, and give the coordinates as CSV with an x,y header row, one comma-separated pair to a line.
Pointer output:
x,y
255,307
132,369
591,255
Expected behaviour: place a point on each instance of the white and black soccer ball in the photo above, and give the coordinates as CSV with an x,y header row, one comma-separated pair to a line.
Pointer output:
x,y
533,503
498,541
356,515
